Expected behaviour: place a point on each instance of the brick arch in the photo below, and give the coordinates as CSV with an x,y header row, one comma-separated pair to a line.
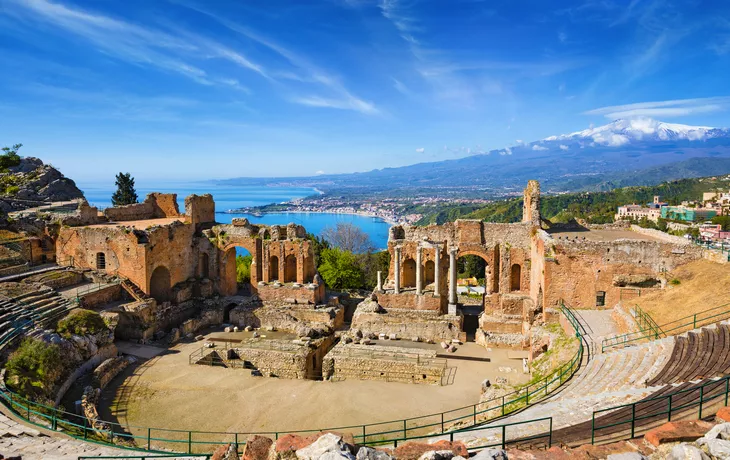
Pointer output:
x,y
160,284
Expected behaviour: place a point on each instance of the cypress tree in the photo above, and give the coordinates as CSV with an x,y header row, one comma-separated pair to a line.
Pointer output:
x,y
125,194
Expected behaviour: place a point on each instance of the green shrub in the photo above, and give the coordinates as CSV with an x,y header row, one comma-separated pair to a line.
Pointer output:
x,y
674,282
12,190
81,322
340,269
243,269
34,367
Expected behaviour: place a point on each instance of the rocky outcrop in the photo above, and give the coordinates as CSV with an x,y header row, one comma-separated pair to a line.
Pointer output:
x,y
32,180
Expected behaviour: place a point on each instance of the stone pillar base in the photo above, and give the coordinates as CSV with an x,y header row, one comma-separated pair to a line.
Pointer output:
x,y
452,309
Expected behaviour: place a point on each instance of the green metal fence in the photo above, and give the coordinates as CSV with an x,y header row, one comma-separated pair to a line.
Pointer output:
x,y
662,408
653,331
190,441
645,322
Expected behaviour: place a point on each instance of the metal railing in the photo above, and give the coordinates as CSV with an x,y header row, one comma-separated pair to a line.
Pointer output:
x,y
433,425
652,332
149,457
663,407
645,322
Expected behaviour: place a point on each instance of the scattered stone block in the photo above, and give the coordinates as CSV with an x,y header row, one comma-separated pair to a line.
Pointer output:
x,y
626,456
348,339
456,341
228,329
416,339
382,336
199,337
414,450
723,415
368,453
686,452
491,454
365,341
444,345
248,329
235,328
437,455
256,334
681,431
393,336
257,447
451,349
721,431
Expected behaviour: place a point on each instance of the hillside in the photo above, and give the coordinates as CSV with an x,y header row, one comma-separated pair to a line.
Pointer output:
x,y
594,207
32,181
625,152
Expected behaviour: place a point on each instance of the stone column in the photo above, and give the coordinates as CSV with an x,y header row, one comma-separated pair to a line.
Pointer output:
x,y
437,272
396,275
488,281
452,281
419,275
379,288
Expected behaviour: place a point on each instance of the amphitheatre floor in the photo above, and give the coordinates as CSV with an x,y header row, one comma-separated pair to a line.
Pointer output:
x,y
166,391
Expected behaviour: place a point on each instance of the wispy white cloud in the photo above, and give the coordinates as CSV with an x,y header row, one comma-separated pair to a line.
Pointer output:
x,y
671,108
564,147
420,150
340,103
538,147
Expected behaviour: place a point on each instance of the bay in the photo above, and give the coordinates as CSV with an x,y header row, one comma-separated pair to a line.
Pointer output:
x,y
229,197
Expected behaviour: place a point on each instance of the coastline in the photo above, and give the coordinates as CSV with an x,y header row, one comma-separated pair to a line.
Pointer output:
x,y
356,213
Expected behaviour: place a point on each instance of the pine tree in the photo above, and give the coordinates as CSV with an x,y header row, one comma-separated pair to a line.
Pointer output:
x,y
125,193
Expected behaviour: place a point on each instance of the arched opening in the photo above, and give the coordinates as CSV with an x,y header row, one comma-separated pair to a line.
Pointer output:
x,y
516,278
471,271
100,261
160,284
227,312
409,273
290,269
429,272
274,269
203,265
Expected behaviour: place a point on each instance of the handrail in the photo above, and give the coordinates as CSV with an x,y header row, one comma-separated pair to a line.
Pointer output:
x,y
431,425
668,409
646,322
678,326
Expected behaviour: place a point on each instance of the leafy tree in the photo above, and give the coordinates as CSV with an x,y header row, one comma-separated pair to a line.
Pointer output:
x,y
340,269
348,237
34,367
81,322
243,269
318,245
471,266
10,157
371,264
722,220
125,194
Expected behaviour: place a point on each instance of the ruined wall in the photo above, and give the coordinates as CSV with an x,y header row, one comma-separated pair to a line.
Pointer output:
x,y
155,206
200,209
370,320
579,269
385,363
290,318
411,301
531,203
169,249
101,297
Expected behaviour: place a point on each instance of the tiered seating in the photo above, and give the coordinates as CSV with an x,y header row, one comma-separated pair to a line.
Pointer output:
x,y
650,412
614,378
696,355
32,309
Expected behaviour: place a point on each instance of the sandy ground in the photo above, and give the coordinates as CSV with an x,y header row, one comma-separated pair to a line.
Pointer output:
x,y
142,224
166,391
702,285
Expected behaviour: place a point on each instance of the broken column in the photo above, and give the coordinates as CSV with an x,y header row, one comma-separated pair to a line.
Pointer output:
x,y
452,281
397,269
419,276
437,271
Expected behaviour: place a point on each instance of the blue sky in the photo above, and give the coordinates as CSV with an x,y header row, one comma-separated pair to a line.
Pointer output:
x,y
182,89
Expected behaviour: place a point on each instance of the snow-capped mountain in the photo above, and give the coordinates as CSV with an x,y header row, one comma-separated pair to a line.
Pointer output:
x,y
622,132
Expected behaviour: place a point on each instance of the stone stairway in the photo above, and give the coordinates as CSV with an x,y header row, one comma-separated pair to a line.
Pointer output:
x,y
609,379
134,290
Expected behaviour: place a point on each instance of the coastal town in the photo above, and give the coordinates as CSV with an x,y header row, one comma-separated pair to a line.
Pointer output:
x,y
393,210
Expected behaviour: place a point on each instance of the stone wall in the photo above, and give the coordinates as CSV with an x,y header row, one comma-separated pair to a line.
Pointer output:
x,y
372,320
292,293
410,301
291,318
200,209
103,353
386,363
101,296
579,269
155,206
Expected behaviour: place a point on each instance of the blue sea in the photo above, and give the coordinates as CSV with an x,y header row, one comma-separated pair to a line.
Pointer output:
x,y
233,197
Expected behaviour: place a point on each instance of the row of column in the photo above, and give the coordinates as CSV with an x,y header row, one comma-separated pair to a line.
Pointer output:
x,y
419,273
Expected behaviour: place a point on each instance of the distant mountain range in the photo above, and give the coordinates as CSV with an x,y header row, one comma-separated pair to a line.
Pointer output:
x,y
621,153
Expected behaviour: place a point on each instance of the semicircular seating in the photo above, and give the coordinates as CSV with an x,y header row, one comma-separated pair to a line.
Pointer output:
x,y
704,353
